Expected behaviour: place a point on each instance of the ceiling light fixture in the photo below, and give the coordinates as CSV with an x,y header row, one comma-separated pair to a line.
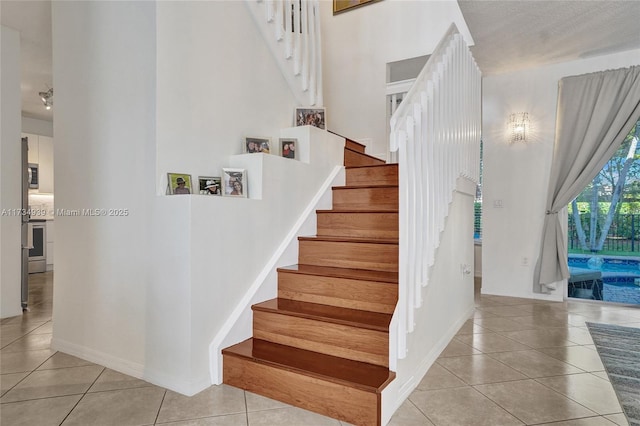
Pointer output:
x,y
47,98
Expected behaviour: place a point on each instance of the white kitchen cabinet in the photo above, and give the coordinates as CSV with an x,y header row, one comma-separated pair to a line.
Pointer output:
x,y
33,147
45,160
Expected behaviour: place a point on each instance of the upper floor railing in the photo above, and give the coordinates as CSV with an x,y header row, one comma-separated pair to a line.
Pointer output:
x,y
436,134
291,29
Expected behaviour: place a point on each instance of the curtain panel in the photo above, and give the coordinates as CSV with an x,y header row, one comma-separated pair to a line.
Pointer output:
x,y
595,113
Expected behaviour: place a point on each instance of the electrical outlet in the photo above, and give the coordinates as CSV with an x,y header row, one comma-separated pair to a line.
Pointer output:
x,y
497,204
525,261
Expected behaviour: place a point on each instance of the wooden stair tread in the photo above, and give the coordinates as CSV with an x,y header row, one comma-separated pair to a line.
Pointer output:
x,y
334,314
374,211
355,274
360,375
364,166
350,240
332,317
364,187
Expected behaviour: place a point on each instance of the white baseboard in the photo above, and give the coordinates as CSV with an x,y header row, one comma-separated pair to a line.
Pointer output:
x,y
139,371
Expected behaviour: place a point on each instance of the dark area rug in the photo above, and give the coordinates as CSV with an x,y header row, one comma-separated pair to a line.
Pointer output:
x,y
619,349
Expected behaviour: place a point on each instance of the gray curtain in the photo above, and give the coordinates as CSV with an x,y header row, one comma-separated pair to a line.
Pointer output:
x,y
595,113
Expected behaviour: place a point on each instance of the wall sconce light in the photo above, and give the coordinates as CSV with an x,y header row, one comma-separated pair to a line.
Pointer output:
x,y
518,127
47,98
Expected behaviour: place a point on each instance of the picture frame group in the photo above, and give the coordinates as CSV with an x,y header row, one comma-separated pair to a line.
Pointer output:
x,y
232,183
286,147
316,117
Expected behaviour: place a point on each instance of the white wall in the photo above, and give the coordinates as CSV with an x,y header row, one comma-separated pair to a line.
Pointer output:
x,y
518,174
217,83
37,127
142,89
106,298
448,300
10,173
358,44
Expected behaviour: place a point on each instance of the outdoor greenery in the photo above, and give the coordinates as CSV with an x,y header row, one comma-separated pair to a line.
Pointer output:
x,y
608,209
477,219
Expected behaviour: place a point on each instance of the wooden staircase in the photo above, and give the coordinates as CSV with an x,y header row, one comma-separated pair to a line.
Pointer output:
x,y
323,344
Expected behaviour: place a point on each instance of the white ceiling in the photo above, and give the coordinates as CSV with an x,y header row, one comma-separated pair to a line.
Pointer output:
x,y
508,35
512,35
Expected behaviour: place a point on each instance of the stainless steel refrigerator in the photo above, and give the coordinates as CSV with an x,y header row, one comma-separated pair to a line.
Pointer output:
x,y
25,224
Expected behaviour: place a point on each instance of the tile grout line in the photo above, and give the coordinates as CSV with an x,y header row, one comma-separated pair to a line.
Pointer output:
x,y
577,402
29,374
498,405
164,395
418,408
535,379
83,395
246,407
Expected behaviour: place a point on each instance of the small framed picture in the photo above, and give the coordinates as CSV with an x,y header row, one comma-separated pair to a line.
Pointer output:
x,y
210,185
179,183
254,145
288,147
235,182
311,117
340,6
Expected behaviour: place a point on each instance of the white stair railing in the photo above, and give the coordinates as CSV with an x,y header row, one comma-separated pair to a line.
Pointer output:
x,y
291,29
436,134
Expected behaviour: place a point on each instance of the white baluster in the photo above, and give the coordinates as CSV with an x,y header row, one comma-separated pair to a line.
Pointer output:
x,y
403,220
312,52
288,29
419,205
304,45
277,18
318,55
296,36
269,10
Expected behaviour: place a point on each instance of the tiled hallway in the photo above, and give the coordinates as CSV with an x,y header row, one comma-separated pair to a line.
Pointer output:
x,y
515,362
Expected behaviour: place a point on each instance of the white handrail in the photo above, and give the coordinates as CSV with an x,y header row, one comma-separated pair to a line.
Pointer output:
x,y
291,28
436,134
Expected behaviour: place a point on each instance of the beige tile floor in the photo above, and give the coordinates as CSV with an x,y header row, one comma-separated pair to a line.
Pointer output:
x,y
515,362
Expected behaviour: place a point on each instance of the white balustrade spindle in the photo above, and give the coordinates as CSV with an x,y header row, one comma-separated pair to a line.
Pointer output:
x,y
435,132
292,31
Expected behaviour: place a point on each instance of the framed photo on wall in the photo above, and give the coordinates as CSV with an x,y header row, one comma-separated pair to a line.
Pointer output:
x,y
340,6
234,182
210,185
311,117
179,183
256,145
288,147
